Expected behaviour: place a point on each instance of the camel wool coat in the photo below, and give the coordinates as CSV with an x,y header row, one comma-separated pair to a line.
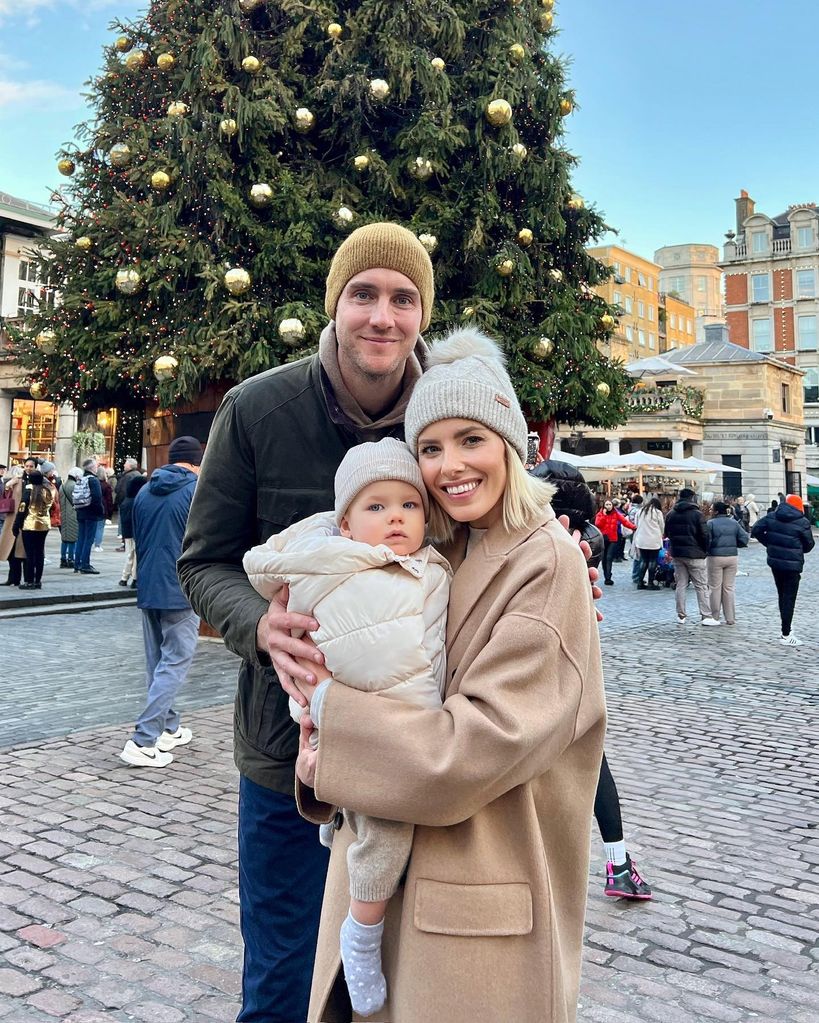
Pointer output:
x,y
500,784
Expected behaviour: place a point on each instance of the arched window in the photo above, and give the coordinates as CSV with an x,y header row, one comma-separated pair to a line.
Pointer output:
x,y
810,382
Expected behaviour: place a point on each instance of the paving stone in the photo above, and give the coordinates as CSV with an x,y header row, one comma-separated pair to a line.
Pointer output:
x,y
13,982
42,937
53,1002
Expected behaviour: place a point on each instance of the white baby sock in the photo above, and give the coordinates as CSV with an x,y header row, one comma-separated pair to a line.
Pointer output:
x,y
361,957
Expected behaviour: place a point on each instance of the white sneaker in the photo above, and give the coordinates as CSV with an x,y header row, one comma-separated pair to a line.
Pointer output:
x,y
144,756
98,549
170,740
709,621
681,619
790,640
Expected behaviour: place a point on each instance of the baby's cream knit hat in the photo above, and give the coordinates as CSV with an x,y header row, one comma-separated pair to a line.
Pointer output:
x,y
386,459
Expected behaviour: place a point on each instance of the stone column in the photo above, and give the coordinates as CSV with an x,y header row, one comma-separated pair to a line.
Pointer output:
x,y
677,450
614,445
64,453
696,448
6,401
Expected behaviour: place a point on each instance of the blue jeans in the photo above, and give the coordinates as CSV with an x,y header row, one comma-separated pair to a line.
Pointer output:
x,y
67,550
85,541
99,532
170,643
282,868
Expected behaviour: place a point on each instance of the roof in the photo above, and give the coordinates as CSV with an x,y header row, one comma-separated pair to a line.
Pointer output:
x,y
713,351
19,213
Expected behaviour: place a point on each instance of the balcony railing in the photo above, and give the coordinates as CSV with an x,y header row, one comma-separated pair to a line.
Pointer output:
x,y
681,400
781,245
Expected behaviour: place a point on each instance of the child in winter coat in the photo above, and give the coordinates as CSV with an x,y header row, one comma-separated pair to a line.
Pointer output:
x,y
380,597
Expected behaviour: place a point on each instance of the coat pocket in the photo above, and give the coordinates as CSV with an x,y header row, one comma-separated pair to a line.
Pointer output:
x,y
473,910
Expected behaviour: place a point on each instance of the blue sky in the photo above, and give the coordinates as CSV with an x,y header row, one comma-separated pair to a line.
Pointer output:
x,y
679,105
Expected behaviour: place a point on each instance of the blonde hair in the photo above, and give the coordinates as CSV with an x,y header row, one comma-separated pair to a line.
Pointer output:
x,y
524,499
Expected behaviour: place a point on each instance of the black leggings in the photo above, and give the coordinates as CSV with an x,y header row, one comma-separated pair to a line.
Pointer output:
x,y
609,549
607,806
34,543
648,563
787,586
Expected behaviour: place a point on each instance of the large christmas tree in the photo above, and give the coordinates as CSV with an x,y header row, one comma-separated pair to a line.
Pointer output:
x,y
236,142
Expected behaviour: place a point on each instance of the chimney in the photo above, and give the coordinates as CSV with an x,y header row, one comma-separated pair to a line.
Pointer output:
x,y
745,208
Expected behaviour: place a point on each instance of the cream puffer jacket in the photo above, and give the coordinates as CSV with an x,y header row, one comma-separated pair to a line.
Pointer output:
x,y
381,615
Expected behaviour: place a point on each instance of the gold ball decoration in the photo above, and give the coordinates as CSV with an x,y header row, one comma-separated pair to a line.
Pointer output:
x,y
305,119
120,154
421,168
546,19
251,65
334,30
547,4
165,367
123,44
379,89
575,202
516,53
228,126
525,237
437,63
520,151
177,108
505,267
556,275
469,311
603,389
46,341
128,281
291,331
261,195
343,216
566,106
361,163
136,60
160,181
37,390
499,112
544,346
607,321
429,241
66,167
83,243
165,61
237,280
249,6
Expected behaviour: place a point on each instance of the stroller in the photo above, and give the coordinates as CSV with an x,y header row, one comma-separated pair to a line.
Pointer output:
x,y
665,568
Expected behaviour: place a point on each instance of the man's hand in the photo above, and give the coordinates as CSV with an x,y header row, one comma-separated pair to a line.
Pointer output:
x,y
594,575
308,757
273,637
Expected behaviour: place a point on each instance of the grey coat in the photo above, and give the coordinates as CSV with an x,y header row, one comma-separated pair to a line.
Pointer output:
x,y
69,530
725,535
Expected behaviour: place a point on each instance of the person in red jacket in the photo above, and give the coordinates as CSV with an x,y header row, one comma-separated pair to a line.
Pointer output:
x,y
607,521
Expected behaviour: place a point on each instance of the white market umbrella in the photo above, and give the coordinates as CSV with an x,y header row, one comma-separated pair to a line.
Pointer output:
x,y
657,366
701,465
812,481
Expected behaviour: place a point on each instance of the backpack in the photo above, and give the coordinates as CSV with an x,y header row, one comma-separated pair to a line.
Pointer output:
x,y
81,497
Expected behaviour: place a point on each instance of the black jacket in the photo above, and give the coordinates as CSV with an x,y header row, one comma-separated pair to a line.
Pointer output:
x,y
573,499
121,491
787,535
126,508
686,531
271,457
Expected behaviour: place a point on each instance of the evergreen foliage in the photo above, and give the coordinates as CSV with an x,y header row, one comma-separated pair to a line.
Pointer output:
x,y
433,162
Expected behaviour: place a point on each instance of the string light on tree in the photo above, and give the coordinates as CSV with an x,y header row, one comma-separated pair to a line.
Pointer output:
x,y
499,112
291,331
165,367
237,280
429,241
379,89
261,194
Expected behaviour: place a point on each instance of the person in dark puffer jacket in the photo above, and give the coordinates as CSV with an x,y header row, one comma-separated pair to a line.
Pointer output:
x,y
725,536
787,535
688,543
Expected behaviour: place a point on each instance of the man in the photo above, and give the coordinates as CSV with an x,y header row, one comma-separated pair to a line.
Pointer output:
x,y
787,534
130,470
89,517
688,544
741,513
170,628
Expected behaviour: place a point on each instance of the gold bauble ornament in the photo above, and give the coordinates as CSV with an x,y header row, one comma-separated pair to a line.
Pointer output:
x,y
548,4
546,20
66,167
603,389
566,106
261,195
379,89
160,181
123,44
37,390
83,243
228,126
237,280
120,155
468,312
165,367
544,346
429,241
165,61
525,237
421,168
177,108
128,281
361,163
46,341
516,53
136,60
334,30
305,119
575,202
607,321
249,6
499,112
343,216
251,65
520,151
291,331
438,63
505,267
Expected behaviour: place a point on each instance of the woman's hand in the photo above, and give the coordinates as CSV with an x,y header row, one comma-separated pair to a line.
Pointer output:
x,y
308,757
273,637
594,575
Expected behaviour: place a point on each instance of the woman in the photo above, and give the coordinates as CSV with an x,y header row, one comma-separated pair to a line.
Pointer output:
x,y
787,535
33,521
607,521
69,530
107,506
500,782
11,543
753,510
725,536
126,525
648,537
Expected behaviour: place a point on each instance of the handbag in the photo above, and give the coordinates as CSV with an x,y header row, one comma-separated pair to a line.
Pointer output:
x,y
6,504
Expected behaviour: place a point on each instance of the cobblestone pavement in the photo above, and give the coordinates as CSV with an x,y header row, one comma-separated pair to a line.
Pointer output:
x,y
118,887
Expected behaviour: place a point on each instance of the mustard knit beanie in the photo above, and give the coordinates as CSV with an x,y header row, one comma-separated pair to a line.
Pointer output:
x,y
381,246
466,379
386,459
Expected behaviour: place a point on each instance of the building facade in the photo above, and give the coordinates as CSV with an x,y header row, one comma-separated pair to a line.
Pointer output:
x,y
771,266
693,274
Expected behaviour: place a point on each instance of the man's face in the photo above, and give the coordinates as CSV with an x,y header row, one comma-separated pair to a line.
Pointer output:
x,y
92,466
387,512
378,317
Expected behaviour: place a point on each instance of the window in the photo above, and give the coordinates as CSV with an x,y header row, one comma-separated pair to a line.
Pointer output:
x,y
651,314
786,397
805,284
688,326
804,237
627,274
759,241
651,340
32,293
806,333
673,321
701,284
641,279
810,382
675,284
641,337
760,288
641,310
761,335
630,334
616,266
628,305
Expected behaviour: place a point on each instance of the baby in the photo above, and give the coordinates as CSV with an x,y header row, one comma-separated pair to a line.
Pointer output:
x,y
380,598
